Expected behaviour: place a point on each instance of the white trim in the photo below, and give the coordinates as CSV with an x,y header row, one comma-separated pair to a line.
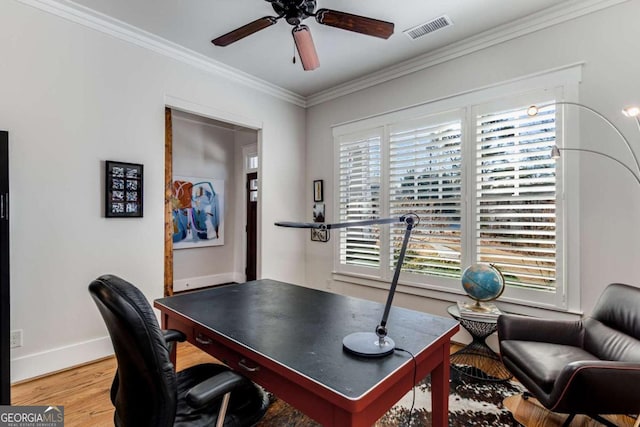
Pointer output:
x,y
57,359
100,22
453,295
191,283
186,106
526,25
121,30
558,76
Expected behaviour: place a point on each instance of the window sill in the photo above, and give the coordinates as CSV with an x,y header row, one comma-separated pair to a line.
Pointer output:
x,y
449,295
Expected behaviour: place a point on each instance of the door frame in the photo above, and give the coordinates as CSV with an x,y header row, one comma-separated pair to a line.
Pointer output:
x,y
249,150
179,104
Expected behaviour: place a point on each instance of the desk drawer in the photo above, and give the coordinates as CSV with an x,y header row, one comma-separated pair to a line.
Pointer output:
x,y
304,394
236,361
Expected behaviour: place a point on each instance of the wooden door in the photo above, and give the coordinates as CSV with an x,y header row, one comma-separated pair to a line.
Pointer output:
x,y
252,225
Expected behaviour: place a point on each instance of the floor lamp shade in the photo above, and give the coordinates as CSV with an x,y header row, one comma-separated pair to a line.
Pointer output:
x,y
629,112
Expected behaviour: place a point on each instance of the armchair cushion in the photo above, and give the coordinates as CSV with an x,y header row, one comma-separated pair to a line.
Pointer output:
x,y
610,344
542,362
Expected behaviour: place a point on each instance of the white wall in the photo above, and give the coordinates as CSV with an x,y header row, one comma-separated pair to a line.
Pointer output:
x,y
203,150
72,97
609,199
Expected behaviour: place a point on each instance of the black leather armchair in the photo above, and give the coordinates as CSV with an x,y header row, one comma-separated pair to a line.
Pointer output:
x,y
146,390
591,366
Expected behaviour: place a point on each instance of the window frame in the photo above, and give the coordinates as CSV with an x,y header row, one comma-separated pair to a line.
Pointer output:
x,y
561,85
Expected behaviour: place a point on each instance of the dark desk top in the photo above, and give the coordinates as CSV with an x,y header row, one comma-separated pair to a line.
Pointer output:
x,y
303,328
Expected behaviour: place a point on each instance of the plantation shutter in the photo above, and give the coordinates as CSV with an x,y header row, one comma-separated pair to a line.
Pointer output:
x,y
425,177
359,193
516,196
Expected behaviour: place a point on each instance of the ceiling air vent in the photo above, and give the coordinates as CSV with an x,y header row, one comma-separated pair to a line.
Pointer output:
x,y
429,27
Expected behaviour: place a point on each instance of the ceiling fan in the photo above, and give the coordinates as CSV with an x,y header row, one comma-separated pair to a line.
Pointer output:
x,y
296,11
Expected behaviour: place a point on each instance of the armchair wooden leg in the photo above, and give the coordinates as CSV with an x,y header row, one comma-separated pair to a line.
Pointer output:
x,y
601,420
568,420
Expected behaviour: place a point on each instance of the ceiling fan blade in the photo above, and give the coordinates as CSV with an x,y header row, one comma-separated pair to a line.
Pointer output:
x,y
244,31
359,24
306,48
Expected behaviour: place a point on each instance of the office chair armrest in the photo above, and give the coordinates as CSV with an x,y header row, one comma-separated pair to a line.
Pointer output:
x,y
214,388
525,328
171,335
598,387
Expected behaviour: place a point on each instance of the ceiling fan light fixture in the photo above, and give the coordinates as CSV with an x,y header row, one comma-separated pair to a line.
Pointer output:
x,y
306,48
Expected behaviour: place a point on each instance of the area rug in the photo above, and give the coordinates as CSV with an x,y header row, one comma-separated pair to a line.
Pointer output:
x,y
471,403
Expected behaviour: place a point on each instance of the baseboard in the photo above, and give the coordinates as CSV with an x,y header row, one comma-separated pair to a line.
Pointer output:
x,y
192,283
58,359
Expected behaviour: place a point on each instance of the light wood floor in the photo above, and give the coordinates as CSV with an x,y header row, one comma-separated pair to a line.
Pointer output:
x,y
532,414
84,393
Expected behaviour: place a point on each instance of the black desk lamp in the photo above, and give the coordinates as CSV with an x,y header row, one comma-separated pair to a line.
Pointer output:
x,y
370,344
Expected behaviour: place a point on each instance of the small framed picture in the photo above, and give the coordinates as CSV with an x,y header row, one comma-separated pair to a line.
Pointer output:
x,y
319,235
123,190
318,212
318,191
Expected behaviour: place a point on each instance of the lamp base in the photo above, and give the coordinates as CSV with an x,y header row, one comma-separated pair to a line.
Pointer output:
x,y
368,344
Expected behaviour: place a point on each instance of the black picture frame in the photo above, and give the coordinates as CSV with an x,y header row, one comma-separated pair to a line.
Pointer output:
x,y
319,235
318,190
123,190
318,212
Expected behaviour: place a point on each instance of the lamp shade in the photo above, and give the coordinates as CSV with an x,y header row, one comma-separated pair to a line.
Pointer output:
x,y
306,48
631,111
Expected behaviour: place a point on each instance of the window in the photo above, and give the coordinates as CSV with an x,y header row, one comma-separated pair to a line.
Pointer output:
x,y
251,162
515,203
359,194
481,178
425,177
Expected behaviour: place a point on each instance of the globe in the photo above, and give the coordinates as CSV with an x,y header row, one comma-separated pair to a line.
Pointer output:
x,y
482,282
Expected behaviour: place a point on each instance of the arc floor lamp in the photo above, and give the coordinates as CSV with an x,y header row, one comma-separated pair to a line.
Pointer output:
x,y
633,112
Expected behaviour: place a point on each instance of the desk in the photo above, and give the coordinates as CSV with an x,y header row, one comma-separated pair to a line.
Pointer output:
x,y
288,339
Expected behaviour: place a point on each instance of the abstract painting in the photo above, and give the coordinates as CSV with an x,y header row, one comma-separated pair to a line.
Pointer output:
x,y
198,212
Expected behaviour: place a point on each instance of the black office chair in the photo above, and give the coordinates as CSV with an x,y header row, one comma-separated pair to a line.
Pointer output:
x,y
591,366
146,390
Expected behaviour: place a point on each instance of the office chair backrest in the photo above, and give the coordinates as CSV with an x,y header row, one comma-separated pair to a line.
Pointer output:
x,y
612,332
144,392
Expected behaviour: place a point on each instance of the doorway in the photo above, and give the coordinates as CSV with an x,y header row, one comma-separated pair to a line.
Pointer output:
x,y
231,256
252,226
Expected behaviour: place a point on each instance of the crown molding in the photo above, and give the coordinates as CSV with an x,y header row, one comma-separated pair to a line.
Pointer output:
x,y
523,26
100,22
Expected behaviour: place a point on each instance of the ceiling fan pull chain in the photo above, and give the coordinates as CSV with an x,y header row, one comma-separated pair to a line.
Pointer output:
x,y
294,53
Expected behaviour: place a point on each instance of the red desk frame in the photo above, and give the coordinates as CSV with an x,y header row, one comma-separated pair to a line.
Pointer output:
x,y
323,404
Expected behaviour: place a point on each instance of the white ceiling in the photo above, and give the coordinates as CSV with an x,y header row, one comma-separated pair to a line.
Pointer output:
x,y
344,55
